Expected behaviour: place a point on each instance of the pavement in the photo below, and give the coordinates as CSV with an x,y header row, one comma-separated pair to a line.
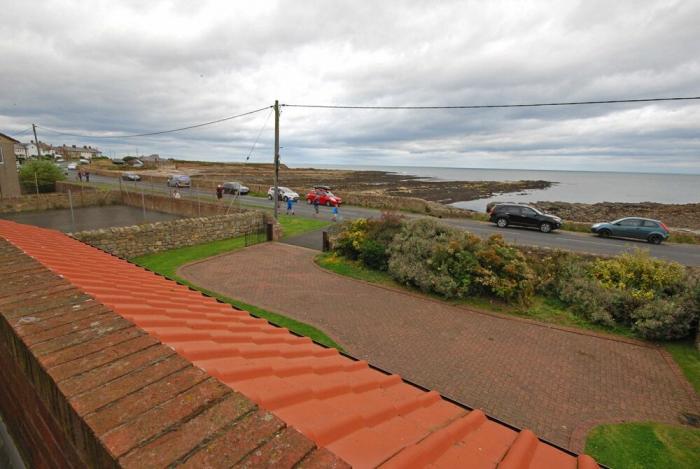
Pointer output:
x,y
555,381
578,242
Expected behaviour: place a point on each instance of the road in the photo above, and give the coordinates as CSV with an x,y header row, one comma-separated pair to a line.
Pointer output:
x,y
687,254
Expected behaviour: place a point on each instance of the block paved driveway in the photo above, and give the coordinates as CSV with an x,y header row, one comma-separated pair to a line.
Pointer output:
x,y
556,382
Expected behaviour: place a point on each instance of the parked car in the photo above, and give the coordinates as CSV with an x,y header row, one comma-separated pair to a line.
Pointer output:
x,y
83,161
652,231
59,160
136,163
179,180
235,188
131,177
72,166
326,197
523,215
283,193
491,205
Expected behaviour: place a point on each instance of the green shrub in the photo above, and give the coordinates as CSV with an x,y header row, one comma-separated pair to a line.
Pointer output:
x,y
586,298
350,238
39,173
640,275
454,263
664,319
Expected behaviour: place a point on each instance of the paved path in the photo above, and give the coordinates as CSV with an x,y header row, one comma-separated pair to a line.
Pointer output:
x,y
687,254
555,382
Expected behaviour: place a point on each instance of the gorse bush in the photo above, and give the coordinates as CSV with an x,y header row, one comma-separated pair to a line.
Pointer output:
x,y
637,273
368,240
656,299
653,298
454,263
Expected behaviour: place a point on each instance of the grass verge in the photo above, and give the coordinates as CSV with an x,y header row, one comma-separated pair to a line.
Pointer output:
x,y
166,263
644,445
688,358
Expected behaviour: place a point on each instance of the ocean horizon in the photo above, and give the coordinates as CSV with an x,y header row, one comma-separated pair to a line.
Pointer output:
x,y
568,186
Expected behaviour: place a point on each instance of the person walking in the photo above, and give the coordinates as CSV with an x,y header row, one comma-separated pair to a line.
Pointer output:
x,y
87,176
80,175
290,206
317,202
335,212
219,191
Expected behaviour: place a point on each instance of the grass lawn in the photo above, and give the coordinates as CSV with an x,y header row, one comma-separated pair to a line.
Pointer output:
x,y
645,445
542,309
688,358
166,263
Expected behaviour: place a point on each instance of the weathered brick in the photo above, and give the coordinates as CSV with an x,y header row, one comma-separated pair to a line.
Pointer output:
x,y
56,317
79,323
98,397
175,444
98,328
322,459
72,353
133,405
106,355
164,416
249,433
284,449
113,370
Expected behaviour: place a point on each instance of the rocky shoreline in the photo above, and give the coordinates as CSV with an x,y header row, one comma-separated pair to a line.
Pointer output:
x,y
678,216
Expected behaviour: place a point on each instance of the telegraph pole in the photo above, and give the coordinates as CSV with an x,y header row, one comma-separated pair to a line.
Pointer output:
x,y
36,140
277,157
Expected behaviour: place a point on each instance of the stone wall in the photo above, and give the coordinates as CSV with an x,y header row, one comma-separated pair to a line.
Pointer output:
x,y
411,204
59,200
133,241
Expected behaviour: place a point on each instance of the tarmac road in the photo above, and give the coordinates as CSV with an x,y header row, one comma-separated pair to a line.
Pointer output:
x,y
687,254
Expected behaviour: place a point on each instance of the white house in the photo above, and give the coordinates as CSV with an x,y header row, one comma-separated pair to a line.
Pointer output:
x,y
20,151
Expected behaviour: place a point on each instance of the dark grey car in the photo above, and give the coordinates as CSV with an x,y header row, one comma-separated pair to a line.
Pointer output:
x,y
649,230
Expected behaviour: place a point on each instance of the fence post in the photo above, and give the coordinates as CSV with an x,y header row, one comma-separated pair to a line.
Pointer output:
x,y
72,215
326,242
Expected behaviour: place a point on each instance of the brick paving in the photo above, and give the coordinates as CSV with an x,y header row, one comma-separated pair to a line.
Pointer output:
x,y
553,381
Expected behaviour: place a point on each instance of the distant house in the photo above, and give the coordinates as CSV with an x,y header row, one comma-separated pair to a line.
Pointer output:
x,y
9,181
150,161
76,152
20,151
32,151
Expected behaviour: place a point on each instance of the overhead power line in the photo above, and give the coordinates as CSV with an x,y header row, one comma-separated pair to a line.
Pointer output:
x,y
160,132
250,153
495,106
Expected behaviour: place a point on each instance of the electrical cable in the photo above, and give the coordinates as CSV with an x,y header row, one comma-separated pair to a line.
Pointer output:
x,y
495,106
194,126
267,119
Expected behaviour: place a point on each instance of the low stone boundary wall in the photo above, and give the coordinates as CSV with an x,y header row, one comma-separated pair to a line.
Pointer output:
x,y
133,241
58,200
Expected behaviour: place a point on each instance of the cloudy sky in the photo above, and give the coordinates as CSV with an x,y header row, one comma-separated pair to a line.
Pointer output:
x,y
117,67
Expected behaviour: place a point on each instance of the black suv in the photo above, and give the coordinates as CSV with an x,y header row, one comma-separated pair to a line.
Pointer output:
x,y
523,215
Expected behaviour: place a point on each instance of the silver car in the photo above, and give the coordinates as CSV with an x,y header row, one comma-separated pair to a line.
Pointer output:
x,y
283,193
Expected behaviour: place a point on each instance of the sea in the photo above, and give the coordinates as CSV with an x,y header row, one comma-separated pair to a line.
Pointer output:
x,y
569,186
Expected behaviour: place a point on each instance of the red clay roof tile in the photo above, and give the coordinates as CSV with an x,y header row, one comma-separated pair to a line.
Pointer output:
x,y
360,414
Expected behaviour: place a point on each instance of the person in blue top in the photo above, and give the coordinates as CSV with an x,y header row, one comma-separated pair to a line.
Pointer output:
x,y
335,212
290,206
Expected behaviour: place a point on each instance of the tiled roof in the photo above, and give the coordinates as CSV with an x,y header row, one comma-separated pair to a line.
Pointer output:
x,y
360,414
83,387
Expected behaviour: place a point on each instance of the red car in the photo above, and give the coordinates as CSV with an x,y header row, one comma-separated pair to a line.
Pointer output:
x,y
324,195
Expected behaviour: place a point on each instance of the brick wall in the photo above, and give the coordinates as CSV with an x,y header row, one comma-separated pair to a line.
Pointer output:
x,y
80,386
133,241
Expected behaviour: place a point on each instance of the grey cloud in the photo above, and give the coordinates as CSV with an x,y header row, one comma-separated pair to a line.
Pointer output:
x,y
127,67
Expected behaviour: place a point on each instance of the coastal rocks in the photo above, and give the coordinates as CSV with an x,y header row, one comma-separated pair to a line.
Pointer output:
x,y
684,216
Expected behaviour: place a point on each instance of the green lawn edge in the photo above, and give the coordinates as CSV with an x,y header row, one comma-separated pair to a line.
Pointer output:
x,y
166,263
641,445
542,309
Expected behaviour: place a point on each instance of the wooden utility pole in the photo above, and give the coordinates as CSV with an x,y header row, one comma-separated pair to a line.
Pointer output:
x,y
36,140
277,157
